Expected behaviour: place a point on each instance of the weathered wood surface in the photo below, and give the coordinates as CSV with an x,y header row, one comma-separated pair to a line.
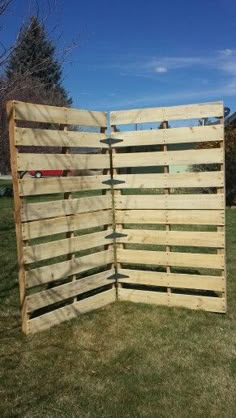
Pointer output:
x,y
57,271
38,252
49,185
175,259
158,216
50,209
50,296
61,115
195,111
57,138
206,303
173,280
68,312
178,201
155,158
68,223
177,238
29,161
147,137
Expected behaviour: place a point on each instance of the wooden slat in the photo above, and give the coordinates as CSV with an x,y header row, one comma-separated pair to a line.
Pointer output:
x,y
53,272
170,136
184,217
68,223
61,115
33,186
177,238
57,138
206,303
194,111
175,259
171,180
71,311
28,161
50,209
145,159
173,280
68,290
178,201
38,252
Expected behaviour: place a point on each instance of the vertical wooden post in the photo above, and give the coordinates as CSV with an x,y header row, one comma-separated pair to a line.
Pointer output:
x,y
68,195
17,215
167,192
221,190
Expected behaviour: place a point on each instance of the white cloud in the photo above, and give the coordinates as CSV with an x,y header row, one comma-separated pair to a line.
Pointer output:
x,y
161,70
227,52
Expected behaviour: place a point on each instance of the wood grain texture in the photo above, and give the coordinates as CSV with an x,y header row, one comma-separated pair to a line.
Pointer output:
x,y
147,137
28,161
58,138
38,252
182,217
50,209
177,238
171,180
173,280
50,296
194,111
68,312
50,185
175,259
145,159
68,223
178,201
206,303
57,271
61,115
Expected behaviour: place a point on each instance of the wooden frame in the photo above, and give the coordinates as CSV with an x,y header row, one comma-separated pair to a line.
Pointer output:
x,y
123,232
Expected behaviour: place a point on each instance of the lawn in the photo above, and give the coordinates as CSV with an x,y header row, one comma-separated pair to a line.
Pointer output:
x,y
125,360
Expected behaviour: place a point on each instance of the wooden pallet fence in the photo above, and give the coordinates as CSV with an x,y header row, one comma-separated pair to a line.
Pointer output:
x,y
118,223
63,267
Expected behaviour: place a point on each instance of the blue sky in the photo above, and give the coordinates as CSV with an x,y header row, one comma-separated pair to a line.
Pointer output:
x,y
144,53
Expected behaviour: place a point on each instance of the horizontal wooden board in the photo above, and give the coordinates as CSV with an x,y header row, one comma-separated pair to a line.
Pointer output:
x,y
184,217
175,259
171,180
38,252
177,238
58,138
49,185
60,315
173,280
161,158
154,114
147,137
178,201
206,303
50,209
61,115
57,271
62,224
68,290
28,161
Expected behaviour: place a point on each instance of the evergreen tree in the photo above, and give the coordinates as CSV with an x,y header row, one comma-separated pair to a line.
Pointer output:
x,y
34,57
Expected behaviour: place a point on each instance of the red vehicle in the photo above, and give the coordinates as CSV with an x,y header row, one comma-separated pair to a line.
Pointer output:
x,y
46,173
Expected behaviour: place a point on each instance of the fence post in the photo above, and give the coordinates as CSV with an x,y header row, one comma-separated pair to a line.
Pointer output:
x,y
17,215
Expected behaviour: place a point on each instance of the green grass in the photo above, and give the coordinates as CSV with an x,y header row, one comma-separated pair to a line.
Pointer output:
x,y
126,360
